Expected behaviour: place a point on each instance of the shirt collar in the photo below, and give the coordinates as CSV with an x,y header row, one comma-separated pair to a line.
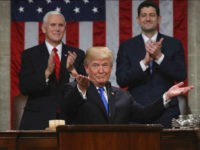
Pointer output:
x,y
50,47
153,38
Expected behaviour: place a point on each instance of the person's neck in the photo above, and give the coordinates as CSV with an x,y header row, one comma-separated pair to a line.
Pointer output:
x,y
54,44
149,34
99,85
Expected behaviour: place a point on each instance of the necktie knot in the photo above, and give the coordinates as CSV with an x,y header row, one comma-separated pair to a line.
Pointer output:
x,y
149,41
101,90
55,50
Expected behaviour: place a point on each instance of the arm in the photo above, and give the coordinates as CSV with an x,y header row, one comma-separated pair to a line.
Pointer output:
x,y
77,63
173,65
128,69
146,114
32,74
74,96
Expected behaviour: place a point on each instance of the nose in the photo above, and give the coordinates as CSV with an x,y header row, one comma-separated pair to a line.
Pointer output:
x,y
101,68
57,27
147,17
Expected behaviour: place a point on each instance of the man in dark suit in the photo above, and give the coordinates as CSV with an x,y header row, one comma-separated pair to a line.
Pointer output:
x,y
92,99
44,73
151,62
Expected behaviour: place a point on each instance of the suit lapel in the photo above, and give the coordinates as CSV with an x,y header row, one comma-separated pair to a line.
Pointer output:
x,y
94,96
64,74
43,56
112,108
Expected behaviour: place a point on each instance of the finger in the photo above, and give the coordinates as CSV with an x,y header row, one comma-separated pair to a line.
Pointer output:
x,y
72,54
180,84
160,41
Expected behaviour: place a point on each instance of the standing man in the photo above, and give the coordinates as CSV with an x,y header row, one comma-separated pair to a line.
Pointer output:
x,y
151,62
95,101
44,71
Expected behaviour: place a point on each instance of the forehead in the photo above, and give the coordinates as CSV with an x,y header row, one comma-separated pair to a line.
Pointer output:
x,y
148,10
100,61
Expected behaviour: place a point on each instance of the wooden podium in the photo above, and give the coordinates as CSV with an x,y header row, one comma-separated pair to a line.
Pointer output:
x,y
109,137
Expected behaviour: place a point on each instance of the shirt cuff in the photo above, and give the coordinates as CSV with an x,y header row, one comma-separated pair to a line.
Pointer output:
x,y
143,66
82,94
71,78
165,101
159,61
47,81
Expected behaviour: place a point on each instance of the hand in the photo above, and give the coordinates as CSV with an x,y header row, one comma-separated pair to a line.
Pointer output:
x,y
147,59
50,66
177,89
154,49
83,82
70,63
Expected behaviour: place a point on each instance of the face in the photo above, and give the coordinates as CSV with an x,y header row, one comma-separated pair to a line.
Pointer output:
x,y
54,29
148,19
99,71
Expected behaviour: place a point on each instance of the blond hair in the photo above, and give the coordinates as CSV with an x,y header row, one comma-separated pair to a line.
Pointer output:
x,y
98,52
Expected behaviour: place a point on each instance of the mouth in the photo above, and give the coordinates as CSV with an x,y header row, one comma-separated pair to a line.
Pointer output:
x,y
101,78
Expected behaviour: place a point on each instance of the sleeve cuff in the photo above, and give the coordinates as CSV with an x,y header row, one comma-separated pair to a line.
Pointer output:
x,y
82,94
159,61
166,101
47,81
143,66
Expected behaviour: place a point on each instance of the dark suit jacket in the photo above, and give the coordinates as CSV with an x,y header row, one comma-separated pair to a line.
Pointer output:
x,y
144,87
122,107
43,99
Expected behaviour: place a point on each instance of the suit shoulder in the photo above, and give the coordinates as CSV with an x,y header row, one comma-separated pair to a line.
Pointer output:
x,y
32,50
132,40
68,47
120,91
169,38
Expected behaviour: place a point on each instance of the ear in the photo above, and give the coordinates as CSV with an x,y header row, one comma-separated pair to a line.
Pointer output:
x,y
138,20
159,19
43,28
86,69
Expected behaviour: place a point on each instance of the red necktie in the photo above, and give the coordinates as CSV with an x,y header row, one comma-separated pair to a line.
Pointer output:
x,y
57,63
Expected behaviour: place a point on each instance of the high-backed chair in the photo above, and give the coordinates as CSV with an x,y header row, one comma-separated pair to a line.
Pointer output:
x,y
19,103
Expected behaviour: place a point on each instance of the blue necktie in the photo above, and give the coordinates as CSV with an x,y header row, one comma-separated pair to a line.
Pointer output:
x,y
103,98
151,67
151,62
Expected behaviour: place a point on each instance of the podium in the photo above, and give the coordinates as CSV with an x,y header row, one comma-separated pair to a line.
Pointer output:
x,y
109,137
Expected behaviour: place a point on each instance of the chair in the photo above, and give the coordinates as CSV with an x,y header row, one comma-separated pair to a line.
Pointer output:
x,y
19,103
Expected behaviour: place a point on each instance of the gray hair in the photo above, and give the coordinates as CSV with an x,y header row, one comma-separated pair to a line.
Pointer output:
x,y
45,18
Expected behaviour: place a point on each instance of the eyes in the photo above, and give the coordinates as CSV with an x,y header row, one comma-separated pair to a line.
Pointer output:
x,y
56,25
96,66
148,15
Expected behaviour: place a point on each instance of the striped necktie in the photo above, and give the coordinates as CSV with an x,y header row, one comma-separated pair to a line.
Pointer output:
x,y
103,98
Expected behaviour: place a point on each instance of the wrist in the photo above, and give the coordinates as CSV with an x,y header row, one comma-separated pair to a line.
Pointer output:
x,y
47,73
73,73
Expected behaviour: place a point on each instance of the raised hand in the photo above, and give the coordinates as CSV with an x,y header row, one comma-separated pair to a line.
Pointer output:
x,y
178,89
70,63
50,66
154,49
147,59
83,82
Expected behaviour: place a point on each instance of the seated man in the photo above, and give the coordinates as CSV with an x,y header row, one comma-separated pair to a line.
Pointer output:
x,y
92,99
